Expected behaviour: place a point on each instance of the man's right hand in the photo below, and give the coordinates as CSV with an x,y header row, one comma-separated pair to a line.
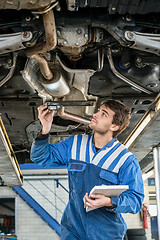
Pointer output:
x,y
46,118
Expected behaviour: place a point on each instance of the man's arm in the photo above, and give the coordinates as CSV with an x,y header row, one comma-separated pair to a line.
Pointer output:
x,y
46,154
131,200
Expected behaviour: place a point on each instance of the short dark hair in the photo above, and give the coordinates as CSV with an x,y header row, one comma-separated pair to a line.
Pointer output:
x,y
122,114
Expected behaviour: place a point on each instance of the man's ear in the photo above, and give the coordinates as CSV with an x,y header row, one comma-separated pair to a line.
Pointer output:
x,y
114,128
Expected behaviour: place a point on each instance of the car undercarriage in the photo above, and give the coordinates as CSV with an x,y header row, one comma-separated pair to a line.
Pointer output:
x,y
72,55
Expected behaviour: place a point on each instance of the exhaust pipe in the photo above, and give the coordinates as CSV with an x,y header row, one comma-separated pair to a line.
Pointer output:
x,y
43,65
53,82
50,36
61,113
51,42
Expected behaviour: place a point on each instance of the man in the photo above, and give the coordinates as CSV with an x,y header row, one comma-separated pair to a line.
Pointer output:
x,y
94,160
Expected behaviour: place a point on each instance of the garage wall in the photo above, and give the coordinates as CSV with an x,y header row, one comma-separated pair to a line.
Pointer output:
x,y
29,225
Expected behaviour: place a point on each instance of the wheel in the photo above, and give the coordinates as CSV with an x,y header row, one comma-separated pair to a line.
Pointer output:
x,y
137,238
136,232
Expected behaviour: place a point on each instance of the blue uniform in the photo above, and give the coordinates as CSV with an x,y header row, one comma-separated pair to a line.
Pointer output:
x,y
111,165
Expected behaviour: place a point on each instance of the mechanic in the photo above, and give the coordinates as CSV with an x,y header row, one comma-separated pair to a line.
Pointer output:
x,y
94,159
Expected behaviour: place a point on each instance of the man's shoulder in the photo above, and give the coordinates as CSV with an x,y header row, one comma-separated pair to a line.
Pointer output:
x,y
124,148
127,157
130,158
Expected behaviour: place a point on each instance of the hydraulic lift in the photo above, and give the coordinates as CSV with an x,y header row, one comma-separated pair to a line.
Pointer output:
x,y
10,173
148,152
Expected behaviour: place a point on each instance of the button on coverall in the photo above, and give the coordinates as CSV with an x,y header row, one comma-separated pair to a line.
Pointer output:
x,y
112,165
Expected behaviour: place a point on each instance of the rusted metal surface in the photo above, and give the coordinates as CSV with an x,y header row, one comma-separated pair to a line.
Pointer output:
x,y
50,43
23,4
50,36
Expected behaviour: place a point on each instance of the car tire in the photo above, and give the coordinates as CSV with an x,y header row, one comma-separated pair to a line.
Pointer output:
x,y
137,238
136,232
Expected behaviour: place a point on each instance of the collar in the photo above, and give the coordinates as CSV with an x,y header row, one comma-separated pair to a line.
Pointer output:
x,y
110,144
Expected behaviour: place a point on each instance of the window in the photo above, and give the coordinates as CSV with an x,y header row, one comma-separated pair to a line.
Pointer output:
x,y
7,216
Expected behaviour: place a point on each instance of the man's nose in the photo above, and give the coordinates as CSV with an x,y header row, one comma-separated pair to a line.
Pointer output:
x,y
95,115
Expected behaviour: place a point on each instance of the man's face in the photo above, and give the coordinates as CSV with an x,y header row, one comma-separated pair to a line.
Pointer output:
x,y
102,120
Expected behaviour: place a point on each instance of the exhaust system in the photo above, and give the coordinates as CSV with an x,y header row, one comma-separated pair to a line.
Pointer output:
x,y
66,115
53,82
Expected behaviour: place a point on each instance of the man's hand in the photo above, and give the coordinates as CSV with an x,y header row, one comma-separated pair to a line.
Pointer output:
x,y
46,118
97,201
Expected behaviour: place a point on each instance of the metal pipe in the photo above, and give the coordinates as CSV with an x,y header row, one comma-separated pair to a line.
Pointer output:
x,y
100,60
156,156
43,65
61,113
50,36
50,43
125,79
46,10
11,71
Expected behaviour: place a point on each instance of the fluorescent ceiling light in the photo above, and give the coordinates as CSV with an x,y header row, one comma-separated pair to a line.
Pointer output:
x,y
157,106
139,129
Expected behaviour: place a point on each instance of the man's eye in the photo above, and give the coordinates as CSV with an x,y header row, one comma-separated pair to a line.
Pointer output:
x,y
104,115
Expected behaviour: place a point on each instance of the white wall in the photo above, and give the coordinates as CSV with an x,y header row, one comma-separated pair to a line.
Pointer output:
x,y
132,220
29,225
46,193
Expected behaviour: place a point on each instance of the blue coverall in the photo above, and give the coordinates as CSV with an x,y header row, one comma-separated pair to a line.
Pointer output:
x,y
111,165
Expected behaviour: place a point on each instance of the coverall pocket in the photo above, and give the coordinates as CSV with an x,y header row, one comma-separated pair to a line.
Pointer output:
x,y
76,172
109,178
